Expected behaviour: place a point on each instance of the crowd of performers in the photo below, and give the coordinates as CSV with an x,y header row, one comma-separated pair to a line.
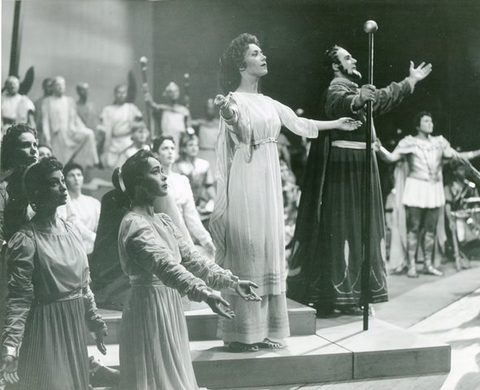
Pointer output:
x,y
139,248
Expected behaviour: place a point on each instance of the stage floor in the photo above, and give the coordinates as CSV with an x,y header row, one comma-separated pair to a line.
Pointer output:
x,y
336,350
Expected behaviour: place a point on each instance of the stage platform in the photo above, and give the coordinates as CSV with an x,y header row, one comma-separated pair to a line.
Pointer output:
x,y
336,349
202,322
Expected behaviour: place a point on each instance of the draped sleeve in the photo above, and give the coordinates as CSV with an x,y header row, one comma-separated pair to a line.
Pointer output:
x,y
234,133
406,145
212,274
300,126
339,101
239,125
152,253
390,96
448,151
94,320
20,257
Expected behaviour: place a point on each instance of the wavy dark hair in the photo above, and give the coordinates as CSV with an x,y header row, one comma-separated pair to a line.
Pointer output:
x,y
70,167
184,140
132,172
232,61
35,180
26,185
417,118
330,57
158,141
10,144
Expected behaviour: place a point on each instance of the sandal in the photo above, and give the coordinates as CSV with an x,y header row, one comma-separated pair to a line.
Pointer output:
x,y
269,344
236,346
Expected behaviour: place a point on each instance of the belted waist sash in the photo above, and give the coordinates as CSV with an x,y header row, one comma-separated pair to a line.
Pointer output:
x,y
143,280
350,145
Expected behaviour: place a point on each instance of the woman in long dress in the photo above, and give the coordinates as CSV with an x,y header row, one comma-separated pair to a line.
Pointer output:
x,y
247,223
19,148
49,305
161,264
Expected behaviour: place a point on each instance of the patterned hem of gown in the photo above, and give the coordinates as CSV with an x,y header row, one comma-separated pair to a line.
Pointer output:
x,y
255,338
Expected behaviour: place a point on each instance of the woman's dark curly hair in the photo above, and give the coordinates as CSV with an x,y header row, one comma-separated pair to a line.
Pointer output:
x,y
158,141
232,61
35,180
10,145
132,172
26,185
418,118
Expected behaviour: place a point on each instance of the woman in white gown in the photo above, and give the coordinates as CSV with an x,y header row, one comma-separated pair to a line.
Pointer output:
x,y
247,223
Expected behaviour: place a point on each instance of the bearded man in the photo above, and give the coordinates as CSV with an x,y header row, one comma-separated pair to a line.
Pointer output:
x,y
328,247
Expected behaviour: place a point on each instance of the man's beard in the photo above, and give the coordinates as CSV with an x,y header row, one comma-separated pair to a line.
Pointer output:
x,y
353,75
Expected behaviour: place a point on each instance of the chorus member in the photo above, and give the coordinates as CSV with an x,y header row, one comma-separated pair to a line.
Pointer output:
x,y
50,305
207,130
109,283
197,170
140,137
18,150
16,108
247,222
161,264
116,121
164,147
458,191
70,140
47,87
85,208
44,151
174,116
86,109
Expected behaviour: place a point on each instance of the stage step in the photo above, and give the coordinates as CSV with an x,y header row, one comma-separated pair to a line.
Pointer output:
x,y
386,350
202,322
340,351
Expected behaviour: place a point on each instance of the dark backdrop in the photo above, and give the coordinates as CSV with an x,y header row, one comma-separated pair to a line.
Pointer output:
x,y
190,36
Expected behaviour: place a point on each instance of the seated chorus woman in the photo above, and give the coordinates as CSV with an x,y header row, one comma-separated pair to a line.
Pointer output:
x,y
49,305
207,130
198,172
161,264
86,209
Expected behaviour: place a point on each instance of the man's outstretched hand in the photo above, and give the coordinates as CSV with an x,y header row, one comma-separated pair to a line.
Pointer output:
x,y
420,72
